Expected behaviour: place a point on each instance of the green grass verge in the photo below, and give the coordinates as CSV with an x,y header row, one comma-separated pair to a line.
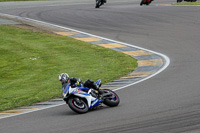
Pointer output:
x,y
187,3
30,63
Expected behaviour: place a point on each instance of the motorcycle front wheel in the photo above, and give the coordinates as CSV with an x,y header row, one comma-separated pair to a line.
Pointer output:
x,y
113,100
78,105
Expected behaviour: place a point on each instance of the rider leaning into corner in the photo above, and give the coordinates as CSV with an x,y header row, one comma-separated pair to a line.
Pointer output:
x,y
100,3
76,82
145,2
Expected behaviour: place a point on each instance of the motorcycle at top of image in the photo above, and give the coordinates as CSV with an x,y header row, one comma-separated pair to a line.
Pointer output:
x,y
178,1
100,3
145,2
81,99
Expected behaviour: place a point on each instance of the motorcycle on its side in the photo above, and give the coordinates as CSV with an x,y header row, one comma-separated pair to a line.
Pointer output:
x,y
145,2
100,3
82,99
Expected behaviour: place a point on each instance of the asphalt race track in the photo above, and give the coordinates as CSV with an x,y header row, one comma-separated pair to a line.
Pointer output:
x,y
167,103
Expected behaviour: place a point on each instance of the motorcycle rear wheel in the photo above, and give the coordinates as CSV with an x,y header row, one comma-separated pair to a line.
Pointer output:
x,y
111,102
78,105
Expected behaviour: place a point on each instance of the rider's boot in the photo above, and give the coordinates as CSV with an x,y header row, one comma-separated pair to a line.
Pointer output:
x,y
100,91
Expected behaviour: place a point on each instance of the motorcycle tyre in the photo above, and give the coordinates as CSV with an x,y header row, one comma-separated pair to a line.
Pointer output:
x,y
142,2
110,103
76,108
98,3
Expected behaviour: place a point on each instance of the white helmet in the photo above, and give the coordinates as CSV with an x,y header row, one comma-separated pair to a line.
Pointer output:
x,y
63,77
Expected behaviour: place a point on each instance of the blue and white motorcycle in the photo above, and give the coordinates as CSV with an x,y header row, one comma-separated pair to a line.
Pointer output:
x,y
81,99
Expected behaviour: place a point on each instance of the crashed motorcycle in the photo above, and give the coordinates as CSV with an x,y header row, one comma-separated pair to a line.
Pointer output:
x,y
83,99
100,3
145,2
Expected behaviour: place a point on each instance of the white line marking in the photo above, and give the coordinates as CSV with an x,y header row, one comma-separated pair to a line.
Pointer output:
x,y
32,111
166,62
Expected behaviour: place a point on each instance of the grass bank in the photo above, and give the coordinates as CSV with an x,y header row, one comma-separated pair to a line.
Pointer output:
x,y
187,3
30,63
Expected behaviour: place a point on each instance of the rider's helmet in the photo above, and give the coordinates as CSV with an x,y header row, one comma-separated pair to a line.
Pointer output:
x,y
63,77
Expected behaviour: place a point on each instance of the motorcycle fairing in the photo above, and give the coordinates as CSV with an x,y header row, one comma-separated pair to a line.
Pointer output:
x,y
95,103
98,82
80,93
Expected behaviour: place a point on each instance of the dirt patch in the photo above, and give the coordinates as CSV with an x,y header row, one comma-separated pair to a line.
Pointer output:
x,y
32,28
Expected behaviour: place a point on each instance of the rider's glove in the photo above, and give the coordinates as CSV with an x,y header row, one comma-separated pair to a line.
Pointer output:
x,y
77,83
